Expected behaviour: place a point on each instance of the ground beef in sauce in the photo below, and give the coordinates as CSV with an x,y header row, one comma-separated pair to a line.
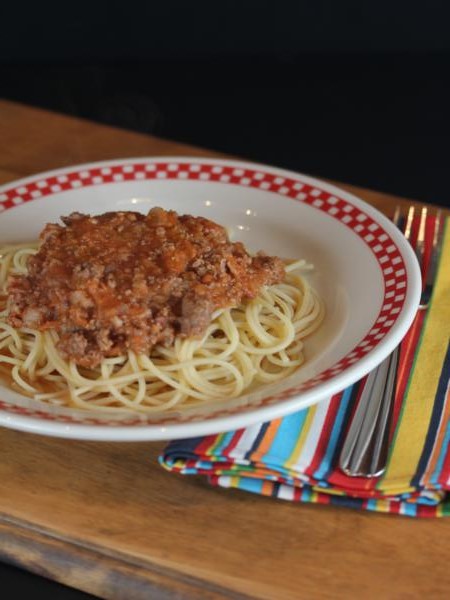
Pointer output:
x,y
126,281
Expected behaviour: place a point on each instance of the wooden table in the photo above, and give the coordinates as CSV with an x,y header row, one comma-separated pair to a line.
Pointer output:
x,y
106,519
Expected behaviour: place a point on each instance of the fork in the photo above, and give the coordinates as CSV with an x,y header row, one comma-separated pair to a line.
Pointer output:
x,y
365,449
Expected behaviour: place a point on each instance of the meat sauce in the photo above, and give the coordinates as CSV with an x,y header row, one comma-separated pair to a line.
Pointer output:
x,y
126,281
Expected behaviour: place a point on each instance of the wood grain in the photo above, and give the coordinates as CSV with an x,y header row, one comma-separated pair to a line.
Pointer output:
x,y
107,519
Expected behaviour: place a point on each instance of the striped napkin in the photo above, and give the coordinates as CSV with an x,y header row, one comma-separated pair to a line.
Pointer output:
x,y
295,458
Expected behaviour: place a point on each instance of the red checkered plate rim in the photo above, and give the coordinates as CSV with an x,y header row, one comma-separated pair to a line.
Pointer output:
x,y
401,280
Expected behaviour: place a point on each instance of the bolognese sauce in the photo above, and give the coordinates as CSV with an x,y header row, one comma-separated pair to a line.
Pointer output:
x,y
126,281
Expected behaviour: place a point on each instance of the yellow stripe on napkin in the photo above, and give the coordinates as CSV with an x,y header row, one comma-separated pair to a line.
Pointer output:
x,y
420,396
302,439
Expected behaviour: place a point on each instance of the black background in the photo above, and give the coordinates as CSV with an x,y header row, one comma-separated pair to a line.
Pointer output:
x,y
353,91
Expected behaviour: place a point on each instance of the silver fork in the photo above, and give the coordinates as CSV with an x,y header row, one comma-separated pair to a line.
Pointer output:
x,y
365,449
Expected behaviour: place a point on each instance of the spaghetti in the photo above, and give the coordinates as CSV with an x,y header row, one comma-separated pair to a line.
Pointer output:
x,y
260,341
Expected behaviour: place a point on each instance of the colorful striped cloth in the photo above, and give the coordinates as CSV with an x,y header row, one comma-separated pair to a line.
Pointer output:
x,y
294,458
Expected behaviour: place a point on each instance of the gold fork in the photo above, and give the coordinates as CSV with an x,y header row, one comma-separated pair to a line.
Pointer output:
x,y
365,449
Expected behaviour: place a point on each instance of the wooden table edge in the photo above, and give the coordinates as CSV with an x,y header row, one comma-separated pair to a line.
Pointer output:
x,y
95,570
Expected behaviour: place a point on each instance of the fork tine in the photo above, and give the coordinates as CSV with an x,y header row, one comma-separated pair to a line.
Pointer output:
x,y
409,222
437,227
433,263
420,244
396,219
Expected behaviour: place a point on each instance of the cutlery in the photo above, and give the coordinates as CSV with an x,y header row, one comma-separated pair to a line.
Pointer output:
x,y
365,449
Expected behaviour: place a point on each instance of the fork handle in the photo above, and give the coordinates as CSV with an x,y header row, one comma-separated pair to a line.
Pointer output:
x,y
365,449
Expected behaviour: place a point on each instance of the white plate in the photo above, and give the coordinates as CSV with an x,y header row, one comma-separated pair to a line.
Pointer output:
x,y
365,271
